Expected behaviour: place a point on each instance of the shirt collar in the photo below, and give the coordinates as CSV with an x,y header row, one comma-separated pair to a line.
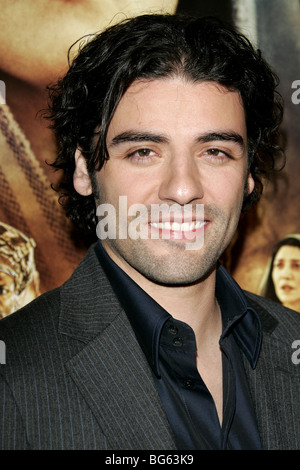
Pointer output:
x,y
147,317
238,317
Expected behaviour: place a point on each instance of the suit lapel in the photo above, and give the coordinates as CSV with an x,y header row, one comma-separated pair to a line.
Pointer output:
x,y
110,370
115,379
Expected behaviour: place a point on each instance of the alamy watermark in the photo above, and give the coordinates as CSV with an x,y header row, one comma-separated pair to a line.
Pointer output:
x,y
2,92
2,352
296,93
296,353
157,222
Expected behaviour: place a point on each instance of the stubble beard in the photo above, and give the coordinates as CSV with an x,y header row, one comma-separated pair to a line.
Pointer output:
x,y
167,262
173,264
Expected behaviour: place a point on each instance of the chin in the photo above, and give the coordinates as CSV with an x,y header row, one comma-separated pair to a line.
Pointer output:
x,y
179,275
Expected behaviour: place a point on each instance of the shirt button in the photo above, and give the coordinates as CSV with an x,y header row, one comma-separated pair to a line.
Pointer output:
x,y
173,330
177,342
188,383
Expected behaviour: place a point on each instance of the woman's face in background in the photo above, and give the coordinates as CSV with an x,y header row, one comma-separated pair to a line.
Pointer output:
x,y
286,276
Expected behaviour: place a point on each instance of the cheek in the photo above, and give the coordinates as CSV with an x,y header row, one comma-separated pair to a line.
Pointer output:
x,y
275,275
227,189
297,278
113,184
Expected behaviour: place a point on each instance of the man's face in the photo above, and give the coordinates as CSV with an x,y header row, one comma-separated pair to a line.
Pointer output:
x,y
172,141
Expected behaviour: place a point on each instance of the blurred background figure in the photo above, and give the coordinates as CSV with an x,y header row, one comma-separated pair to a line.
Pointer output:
x,y
19,279
282,278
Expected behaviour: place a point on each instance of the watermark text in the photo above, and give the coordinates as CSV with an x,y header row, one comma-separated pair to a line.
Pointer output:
x,y
296,353
2,352
296,93
155,222
2,92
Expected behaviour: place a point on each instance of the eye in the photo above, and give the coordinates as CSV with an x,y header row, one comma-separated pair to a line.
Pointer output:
x,y
278,264
143,152
142,155
217,155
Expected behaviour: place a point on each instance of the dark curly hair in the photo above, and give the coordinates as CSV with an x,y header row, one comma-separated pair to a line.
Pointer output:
x,y
153,47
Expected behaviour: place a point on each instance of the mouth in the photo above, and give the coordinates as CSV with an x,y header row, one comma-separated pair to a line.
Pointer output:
x,y
178,230
286,288
177,226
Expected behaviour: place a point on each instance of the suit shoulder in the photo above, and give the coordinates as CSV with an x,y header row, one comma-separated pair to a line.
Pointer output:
x,y
33,343
42,310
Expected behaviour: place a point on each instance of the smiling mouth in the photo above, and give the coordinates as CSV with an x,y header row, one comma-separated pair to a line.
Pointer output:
x,y
180,231
179,227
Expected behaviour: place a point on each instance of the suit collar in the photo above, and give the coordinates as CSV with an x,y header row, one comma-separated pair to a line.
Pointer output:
x,y
88,303
268,322
110,370
113,375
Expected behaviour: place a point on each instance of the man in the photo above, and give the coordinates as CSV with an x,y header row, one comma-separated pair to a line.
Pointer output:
x,y
151,344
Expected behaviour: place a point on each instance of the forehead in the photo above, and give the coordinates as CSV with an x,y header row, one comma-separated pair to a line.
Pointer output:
x,y
174,103
288,252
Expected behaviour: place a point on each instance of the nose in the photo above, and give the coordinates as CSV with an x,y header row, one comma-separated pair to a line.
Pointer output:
x,y
286,272
181,181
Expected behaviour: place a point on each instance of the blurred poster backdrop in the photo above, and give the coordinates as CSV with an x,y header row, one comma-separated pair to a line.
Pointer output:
x,y
39,248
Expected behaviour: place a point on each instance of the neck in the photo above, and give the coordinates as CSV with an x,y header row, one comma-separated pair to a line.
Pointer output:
x,y
194,304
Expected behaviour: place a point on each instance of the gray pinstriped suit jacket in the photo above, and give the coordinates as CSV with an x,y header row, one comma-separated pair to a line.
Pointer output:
x,y
75,376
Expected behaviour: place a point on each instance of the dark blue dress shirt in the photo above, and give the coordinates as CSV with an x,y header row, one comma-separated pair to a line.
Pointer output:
x,y
170,348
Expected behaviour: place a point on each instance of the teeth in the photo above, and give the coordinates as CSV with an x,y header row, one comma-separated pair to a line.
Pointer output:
x,y
177,227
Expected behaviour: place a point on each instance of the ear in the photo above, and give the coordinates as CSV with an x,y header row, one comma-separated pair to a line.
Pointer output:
x,y
81,178
250,183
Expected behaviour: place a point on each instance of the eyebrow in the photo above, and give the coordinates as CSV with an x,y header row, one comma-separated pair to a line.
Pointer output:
x,y
132,136
222,136
137,137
